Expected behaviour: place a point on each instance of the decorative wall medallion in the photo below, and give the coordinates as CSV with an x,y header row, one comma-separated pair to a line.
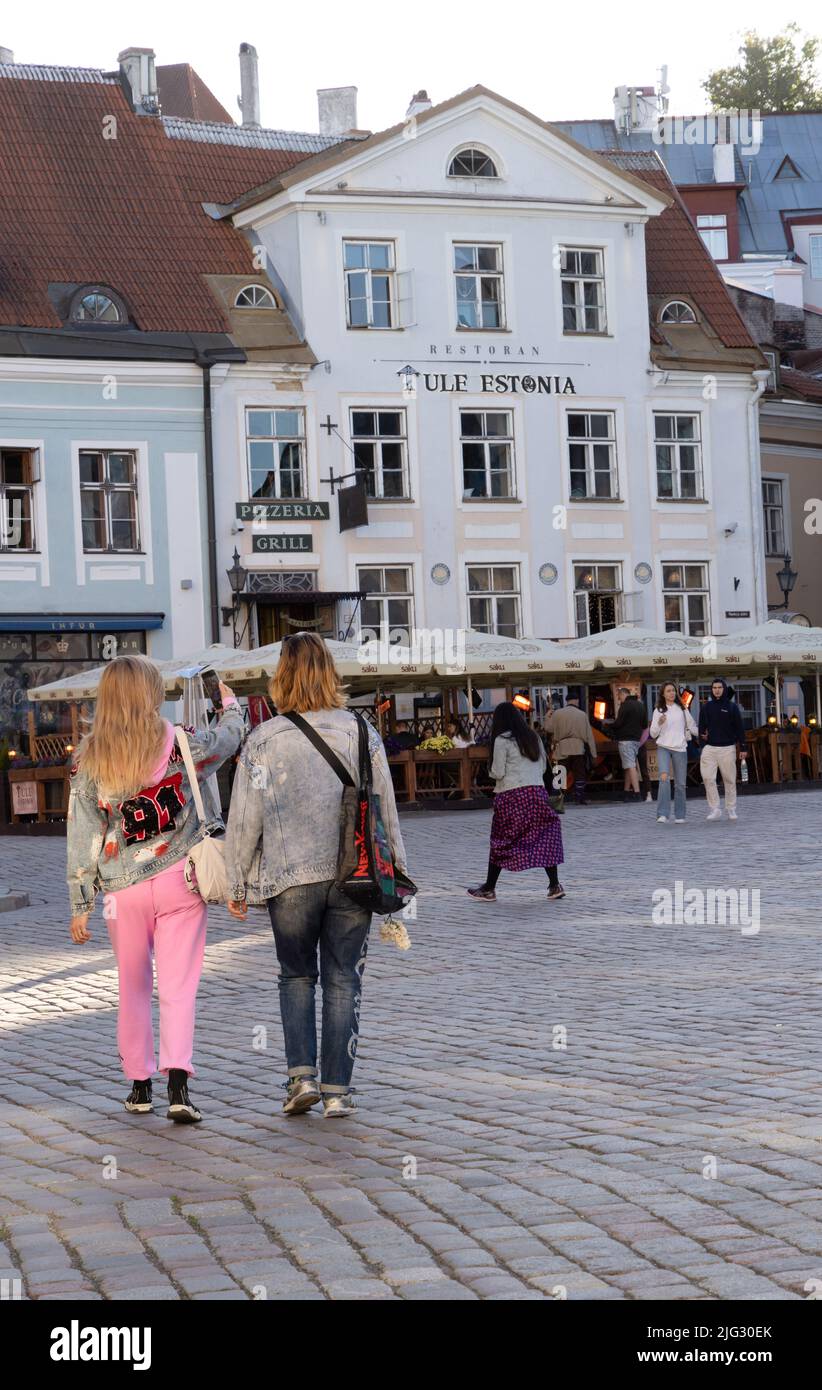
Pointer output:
x,y
440,574
643,573
548,574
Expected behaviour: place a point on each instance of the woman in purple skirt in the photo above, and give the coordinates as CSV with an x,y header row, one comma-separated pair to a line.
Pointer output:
x,y
525,831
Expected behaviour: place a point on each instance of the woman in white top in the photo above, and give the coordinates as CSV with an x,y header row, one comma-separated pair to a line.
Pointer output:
x,y
672,726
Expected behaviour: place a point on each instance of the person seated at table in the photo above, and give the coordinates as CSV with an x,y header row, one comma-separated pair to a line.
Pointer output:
x,y
405,737
455,730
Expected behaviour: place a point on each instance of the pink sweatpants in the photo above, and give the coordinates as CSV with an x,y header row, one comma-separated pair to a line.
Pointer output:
x,y
159,917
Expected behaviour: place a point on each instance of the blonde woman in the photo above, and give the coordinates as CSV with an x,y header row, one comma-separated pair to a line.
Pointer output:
x,y
131,825
285,819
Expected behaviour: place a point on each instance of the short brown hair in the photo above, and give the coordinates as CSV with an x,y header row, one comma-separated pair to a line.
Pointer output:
x,y
306,677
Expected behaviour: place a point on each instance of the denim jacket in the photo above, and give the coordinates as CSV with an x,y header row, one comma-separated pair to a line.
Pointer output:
x,y
112,847
511,770
284,820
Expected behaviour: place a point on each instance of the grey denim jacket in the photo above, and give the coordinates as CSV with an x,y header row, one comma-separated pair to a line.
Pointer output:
x,y
110,847
511,770
284,819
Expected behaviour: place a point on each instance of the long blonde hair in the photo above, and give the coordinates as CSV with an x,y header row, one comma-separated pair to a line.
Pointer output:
x,y
128,732
306,677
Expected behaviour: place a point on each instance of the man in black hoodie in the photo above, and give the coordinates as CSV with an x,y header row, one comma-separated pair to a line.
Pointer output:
x,y
720,729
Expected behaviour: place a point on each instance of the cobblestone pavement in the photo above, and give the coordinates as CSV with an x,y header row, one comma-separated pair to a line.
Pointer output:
x,y
671,1149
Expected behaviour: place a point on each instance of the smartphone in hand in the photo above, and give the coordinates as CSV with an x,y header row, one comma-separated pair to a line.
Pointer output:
x,y
211,686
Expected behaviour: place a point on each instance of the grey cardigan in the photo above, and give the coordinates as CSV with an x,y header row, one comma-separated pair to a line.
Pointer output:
x,y
284,820
511,770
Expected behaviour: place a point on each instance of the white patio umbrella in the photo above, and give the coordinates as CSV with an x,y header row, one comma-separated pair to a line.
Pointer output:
x,y
628,648
771,647
84,685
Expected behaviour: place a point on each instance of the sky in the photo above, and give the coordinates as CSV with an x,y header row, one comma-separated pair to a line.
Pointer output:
x,y
559,61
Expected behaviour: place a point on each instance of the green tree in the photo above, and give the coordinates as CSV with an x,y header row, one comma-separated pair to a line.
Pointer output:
x,y
776,74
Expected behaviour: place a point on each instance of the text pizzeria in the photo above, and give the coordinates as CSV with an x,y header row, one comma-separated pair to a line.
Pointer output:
x,y
503,383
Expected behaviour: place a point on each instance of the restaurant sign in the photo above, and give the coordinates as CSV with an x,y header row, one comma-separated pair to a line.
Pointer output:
x,y
287,541
283,511
499,383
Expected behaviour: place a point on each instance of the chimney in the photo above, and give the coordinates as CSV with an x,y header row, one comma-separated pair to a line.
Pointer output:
x,y
724,168
249,99
636,108
338,109
137,69
6,55
420,101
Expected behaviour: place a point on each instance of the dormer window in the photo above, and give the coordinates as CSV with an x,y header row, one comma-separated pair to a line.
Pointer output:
x,y
677,312
96,306
471,163
255,297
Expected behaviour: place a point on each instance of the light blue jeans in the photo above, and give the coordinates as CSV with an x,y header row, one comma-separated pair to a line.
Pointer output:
x,y
668,761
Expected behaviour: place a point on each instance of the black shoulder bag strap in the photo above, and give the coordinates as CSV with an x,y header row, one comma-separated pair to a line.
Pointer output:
x,y
323,748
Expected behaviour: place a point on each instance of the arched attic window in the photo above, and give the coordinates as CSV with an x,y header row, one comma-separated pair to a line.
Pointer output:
x,y
677,311
255,297
95,304
471,163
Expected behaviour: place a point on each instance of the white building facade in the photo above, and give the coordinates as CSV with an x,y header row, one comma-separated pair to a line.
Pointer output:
x,y
475,289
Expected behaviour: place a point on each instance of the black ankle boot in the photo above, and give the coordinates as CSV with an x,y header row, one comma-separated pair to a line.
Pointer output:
x,y
180,1107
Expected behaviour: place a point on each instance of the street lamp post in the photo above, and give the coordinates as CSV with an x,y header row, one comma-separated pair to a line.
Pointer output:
x,y
236,577
787,578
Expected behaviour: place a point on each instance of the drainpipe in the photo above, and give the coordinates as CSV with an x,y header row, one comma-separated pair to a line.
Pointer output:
x,y
211,521
757,540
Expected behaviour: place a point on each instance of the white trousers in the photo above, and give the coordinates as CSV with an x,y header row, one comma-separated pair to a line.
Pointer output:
x,y
714,759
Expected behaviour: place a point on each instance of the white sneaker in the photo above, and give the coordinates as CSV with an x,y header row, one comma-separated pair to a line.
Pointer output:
x,y
680,820
714,815
649,797
732,815
661,820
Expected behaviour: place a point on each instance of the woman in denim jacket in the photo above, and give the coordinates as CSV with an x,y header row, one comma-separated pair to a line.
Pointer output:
x,y
131,826
282,848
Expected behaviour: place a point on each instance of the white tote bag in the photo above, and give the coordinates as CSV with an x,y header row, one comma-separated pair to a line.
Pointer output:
x,y
205,867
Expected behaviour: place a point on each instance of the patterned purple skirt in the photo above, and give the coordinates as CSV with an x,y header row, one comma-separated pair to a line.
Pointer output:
x,y
525,832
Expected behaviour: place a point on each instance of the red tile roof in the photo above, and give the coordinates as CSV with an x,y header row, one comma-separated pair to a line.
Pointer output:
x,y
183,93
78,208
677,260
801,383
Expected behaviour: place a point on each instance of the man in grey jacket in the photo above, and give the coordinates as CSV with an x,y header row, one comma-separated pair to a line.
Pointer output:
x,y
571,734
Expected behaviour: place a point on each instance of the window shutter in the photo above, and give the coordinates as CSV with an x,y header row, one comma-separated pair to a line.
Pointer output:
x,y
405,299
34,466
633,607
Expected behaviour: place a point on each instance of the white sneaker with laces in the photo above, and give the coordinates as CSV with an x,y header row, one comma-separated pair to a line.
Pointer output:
x,y
662,820
732,815
716,814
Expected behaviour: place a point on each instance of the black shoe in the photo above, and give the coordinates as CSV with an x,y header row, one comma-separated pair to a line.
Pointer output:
x,y
180,1108
138,1101
557,892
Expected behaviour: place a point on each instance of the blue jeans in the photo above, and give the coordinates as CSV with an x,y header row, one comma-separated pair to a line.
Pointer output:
x,y
303,918
667,760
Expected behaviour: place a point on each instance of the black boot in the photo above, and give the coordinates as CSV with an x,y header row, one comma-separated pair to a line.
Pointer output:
x,y
138,1101
180,1107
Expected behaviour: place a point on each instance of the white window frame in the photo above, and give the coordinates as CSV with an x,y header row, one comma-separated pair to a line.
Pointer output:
x,y
377,440
677,304
783,479
579,281
267,300
32,490
121,563
478,276
493,594
674,443
713,225
613,562
511,438
588,441
391,272
365,561
108,491
682,594
815,255
273,409
481,149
